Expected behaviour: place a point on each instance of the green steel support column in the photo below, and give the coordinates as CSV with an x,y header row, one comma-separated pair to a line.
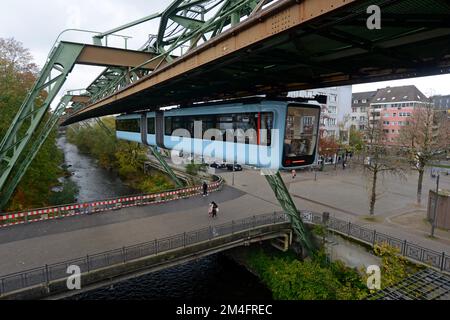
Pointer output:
x,y
285,200
166,167
104,126
11,186
32,112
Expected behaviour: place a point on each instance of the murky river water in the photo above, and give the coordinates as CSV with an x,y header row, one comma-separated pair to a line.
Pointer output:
x,y
212,278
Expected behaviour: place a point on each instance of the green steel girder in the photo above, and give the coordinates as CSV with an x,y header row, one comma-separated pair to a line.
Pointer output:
x,y
61,61
183,23
104,126
188,23
166,167
13,181
284,198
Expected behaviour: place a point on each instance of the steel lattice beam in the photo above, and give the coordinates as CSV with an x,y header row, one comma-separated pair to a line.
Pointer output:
x,y
166,167
284,198
12,183
32,112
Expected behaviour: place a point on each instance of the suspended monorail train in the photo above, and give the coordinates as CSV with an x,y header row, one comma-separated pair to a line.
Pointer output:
x,y
280,133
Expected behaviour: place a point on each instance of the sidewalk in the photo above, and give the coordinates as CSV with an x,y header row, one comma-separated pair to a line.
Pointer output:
x,y
344,195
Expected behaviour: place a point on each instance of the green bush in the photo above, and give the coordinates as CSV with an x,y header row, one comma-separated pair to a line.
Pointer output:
x,y
193,169
315,279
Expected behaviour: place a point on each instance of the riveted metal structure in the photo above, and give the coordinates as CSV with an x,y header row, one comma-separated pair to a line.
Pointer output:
x,y
166,166
282,46
284,198
42,136
34,108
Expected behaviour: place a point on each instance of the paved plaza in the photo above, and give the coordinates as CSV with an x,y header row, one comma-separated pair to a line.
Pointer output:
x,y
345,194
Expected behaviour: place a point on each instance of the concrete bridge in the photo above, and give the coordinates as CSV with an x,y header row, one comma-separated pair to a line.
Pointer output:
x,y
128,262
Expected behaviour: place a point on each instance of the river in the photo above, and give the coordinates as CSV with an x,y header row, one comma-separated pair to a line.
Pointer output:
x,y
212,278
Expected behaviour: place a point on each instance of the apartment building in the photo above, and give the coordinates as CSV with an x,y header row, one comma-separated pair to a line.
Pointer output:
x,y
441,102
358,118
394,106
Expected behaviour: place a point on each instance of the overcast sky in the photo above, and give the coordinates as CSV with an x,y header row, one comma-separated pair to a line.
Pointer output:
x,y
37,24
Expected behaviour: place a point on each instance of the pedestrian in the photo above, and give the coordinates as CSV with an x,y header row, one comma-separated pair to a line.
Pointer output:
x,y
344,164
205,189
294,174
210,210
214,209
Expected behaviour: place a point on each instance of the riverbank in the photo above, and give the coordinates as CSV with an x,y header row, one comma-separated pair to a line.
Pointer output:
x,y
321,277
92,182
288,278
125,159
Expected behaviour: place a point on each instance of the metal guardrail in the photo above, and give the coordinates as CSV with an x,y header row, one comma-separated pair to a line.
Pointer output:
x,y
46,274
112,204
415,253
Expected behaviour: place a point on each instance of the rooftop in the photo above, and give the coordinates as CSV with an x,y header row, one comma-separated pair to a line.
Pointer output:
x,y
399,94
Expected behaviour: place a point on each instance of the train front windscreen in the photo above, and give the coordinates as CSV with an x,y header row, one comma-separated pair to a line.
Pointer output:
x,y
301,135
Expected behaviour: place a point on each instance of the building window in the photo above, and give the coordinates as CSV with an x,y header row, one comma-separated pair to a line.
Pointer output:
x,y
354,110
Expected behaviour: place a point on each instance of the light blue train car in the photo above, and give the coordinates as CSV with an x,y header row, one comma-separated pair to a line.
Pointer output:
x,y
272,134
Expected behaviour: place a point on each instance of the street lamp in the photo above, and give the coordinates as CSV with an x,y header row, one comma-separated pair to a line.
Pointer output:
x,y
433,223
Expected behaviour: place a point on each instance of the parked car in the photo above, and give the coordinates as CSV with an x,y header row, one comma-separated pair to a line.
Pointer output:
x,y
237,167
216,165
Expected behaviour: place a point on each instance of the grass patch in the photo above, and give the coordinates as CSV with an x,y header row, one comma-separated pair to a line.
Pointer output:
x,y
440,166
371,218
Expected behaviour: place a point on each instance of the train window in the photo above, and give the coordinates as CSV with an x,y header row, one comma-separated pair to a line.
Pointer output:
x,y
266,128
224,122
300,141
168,126
151,126
246,121
128,125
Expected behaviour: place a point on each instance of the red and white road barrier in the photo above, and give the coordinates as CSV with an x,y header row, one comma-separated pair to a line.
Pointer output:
x,y
13,219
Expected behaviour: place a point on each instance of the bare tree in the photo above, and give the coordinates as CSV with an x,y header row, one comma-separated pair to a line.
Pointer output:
x,y
379,159
425,137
